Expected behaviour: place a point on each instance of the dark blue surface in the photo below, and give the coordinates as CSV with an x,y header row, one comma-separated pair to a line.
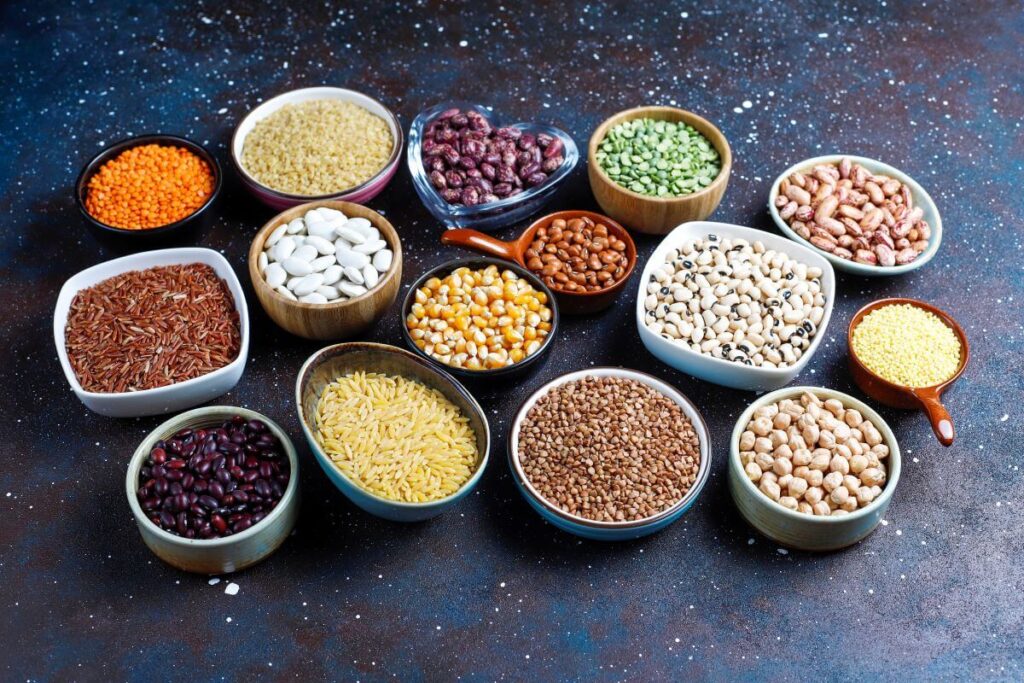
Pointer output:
x,y
488,591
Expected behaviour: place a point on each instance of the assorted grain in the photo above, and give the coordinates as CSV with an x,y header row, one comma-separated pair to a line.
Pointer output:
x,y
907,345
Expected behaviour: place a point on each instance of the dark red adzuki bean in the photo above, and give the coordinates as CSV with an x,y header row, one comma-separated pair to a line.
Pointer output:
x,y
215,482
470,163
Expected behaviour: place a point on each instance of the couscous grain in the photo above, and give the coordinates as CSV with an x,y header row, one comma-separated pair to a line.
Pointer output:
x,y
907,345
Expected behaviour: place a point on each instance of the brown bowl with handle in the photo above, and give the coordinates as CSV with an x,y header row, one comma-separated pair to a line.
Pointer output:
x,y
570,303
338,319
657,215
899,396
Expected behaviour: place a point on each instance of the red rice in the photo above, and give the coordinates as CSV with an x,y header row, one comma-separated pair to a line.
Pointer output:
x,y
151,328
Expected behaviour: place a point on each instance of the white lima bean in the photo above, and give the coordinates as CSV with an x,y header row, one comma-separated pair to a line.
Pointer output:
x,y
737,301
324,257
849,484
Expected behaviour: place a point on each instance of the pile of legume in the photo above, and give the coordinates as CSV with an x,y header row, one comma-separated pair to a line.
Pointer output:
x,y
855,214
479,319
907,345
149,186
658,158
324,257
317,147
470,163
813,456
395,437
214,482
609,449
150,328
736,301
577,255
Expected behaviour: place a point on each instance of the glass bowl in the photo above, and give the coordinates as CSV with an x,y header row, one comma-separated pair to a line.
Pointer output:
x,y
493,215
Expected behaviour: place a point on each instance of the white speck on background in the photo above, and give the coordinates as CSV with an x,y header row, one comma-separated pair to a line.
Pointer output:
x,y
782,551
231,589
228,620
1004,418
463,43
214,581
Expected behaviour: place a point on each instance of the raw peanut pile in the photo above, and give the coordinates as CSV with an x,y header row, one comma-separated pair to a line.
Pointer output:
x,y
847,210
816,457
609,449
150,328
577,255
149,186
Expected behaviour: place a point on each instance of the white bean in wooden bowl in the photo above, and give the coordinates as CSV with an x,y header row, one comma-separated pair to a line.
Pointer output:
x,y
324,257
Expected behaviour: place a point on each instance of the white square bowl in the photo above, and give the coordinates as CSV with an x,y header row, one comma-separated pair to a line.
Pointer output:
x,y
169,398
717,370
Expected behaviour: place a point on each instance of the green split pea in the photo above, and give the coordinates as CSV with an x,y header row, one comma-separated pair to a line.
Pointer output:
x,y
658,158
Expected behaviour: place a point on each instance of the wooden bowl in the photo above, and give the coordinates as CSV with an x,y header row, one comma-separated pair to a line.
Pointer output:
x,y
899,396
341,319
571,303
657,215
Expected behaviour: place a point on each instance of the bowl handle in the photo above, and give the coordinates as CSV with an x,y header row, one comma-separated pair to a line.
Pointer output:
x,y
942,423
478,241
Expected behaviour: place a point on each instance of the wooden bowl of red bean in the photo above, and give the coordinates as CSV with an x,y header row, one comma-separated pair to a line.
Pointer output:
x,y
584,257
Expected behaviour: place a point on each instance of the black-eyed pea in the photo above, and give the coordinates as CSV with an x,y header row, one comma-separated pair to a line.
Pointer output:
x,y
865,495
851,483
783,481
839,464
782,420
763,444
770,489
833,480
747,440
839,495
853,417
820,459
835,406
849,505
804,508
762,426
821,509
753,472
814,494
801,457
815,477
782,466
872,476
797,487
788,502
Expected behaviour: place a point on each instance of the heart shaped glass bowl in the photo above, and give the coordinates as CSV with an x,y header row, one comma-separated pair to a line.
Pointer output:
x,y
493,215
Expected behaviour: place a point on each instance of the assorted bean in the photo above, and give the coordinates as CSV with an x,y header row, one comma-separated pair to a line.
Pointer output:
x,y
577,255
814,456
468,162
736,300
324,257
850,212
658,158
479,319
214,482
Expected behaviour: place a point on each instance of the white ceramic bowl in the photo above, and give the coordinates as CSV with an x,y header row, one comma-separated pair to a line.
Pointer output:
x,y
717,370
796,529
360,194
921,199
162,399
216,555
610,531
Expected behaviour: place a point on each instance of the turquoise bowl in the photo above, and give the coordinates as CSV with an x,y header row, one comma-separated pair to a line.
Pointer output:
x,y
611,531
329,363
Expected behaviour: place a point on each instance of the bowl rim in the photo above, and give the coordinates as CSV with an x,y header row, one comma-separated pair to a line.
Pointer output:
x,y
414,159
328,92
893,470
482,262
621,232
214,414
661,386
725,151
921,196
264,232
942,315
115,149
174,256
678,235
325,459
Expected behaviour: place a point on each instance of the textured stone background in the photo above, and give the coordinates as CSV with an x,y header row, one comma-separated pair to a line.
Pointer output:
x,y
489,591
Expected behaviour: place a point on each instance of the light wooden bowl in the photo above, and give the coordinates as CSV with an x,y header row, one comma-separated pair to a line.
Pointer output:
x,y
342,319
657,215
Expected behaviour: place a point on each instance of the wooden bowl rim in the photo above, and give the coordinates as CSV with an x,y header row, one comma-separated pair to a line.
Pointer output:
x,y
260,283
910,392
631,253
724,150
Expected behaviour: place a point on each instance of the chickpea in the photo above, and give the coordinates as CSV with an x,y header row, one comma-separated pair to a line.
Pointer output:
x,y
762,426
839,464
788,502
832,481
762,445
839,495
801,457
872,476
820,460
851,482
865,495
747,440
770,489
858,464
782,466
784,480
797,487
813,495
821,509
753,471
782,421
805,508
835,406
815,477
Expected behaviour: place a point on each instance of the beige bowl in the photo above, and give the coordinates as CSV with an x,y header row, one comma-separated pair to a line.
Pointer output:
x,y
342,319
216,555
657,215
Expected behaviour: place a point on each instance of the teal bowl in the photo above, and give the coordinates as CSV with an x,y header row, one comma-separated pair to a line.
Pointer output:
x,y
611,531
329,363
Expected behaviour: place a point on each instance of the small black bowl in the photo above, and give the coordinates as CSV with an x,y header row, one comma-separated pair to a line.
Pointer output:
x,y
187,226
479,262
